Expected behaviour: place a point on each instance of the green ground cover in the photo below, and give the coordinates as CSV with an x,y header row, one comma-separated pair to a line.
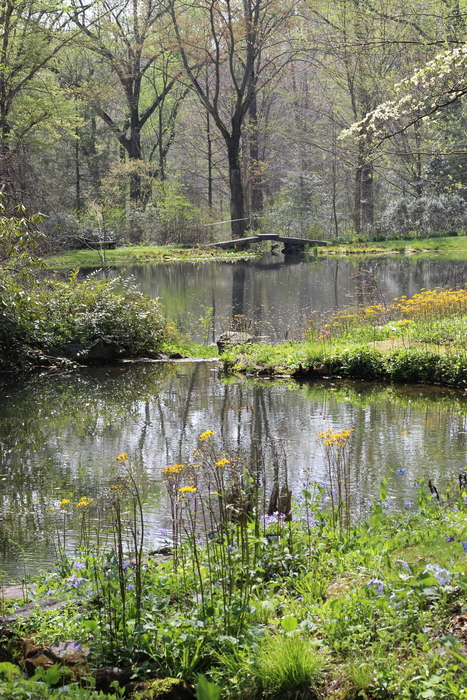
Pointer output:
x,y
139,255
422,339
448,247
315,600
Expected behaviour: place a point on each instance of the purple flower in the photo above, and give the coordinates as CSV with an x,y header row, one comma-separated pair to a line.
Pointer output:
x,y
230,548
464,546
443,576
76,581
49,592
163,532
75,646
408,503
78,565
377,584
201,542
299,600
404,564
455,509
449,538
130,587
400,472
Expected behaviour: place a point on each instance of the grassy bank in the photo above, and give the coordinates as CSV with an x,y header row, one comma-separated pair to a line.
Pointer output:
x,y
447,247
139,255
422,339
312,601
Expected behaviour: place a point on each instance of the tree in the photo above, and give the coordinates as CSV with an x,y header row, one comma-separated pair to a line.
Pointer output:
x,y
240,46
31,36
126,35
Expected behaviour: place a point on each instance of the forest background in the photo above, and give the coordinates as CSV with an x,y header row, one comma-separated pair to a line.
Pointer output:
x,y
149,121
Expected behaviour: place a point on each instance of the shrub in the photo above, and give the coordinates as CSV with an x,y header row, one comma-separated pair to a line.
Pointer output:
x,y
75,312
43,317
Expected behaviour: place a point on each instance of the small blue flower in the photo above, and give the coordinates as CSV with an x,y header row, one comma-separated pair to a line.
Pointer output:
x,y
130,587
408,503
400,472
163,532
76,581
449,538
78,565
377,584
230,548
49,592
464,546
404,564
443,576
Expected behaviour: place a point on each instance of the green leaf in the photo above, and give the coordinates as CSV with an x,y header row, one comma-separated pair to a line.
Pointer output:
x,y
206,690
289,623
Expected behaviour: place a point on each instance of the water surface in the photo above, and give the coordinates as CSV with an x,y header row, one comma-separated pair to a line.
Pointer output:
x,y
275,296
60,437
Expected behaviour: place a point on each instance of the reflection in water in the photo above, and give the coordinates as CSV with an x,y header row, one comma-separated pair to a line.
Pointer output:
x,y
278,294
60,437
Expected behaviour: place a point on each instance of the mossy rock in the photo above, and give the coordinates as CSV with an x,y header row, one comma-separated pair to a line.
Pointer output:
x,y
163,689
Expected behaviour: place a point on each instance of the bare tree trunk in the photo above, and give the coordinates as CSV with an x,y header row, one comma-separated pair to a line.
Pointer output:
x,y
255,171
237,196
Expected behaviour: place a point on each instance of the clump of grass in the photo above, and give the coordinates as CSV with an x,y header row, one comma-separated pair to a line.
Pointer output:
x,y
289,668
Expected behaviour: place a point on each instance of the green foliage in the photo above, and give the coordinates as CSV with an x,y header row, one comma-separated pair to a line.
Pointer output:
x,y
289,667
39,318
15,687
206,690
75,312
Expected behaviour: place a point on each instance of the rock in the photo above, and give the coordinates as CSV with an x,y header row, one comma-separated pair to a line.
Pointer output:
x,y
230,338
16,592
102,349
161,689
72,350
71,655
106,676
27,610
38,661
68,652
175,356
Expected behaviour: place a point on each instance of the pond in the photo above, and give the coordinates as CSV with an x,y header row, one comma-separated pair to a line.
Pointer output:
x,y
60,435
276,295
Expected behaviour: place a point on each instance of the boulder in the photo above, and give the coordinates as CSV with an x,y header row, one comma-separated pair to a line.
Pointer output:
x,y
230,338
102,349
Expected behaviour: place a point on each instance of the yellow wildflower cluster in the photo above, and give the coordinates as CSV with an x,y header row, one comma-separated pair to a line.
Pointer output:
x,y
187,489
84,501
174,469
428,304
222,462
337,439
122,458
64,502
207,434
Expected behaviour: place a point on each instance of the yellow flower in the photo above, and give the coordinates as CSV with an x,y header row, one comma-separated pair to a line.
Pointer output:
x,y
222,462
195,466
122,458
84,501
64,502
187,489
207,434
174,469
